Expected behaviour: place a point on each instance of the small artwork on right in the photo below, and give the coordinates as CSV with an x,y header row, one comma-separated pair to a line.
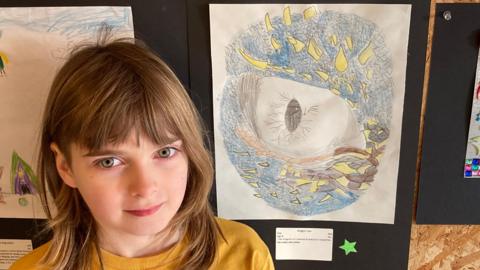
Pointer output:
x,y
308,104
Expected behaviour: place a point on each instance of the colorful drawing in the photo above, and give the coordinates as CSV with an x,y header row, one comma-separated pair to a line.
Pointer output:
x,y
472,155
306,108
34,42
23,179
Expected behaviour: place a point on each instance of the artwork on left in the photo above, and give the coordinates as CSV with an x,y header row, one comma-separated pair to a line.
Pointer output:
x,y
34,42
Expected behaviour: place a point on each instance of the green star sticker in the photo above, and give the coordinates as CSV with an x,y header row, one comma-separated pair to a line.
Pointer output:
x,y
348,247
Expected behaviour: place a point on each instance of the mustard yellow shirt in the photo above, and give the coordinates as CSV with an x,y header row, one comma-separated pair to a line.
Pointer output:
x,y
242,250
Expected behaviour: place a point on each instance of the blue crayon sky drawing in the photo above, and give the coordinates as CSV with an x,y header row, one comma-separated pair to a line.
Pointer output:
x,y
34,42
308,102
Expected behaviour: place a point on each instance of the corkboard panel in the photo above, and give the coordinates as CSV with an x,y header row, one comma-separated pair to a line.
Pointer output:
x,y
441,246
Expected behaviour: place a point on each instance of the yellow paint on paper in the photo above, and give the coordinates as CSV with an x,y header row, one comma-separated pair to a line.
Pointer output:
x,y
254,184
333,40
341,192
257,63
247,176
322,75
341,61
289,70
349,42
250,171
369,74
307,76
365,54
343,181
301,182
274,194
328,197
297,44
313,50
268,23
343,168
296,201
309,13
335,91
287,19
275,44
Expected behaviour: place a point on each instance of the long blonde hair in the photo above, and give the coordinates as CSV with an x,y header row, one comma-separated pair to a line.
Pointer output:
x,y
100,94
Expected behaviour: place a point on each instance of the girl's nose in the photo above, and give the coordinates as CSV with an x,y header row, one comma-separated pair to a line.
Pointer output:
x,y
142,181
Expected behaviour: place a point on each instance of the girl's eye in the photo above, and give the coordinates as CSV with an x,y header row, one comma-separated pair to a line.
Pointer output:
x,y
108,162
167,152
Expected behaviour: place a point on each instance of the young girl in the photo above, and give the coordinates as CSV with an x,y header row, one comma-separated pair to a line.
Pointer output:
x,y
123,160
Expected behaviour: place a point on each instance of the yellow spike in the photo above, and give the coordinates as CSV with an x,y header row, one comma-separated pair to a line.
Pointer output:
x,y
257,63
275,44
364,186
343,168
4,58
322,75
369,74
250,171
349,88
289,69
274,194
341,61
335,91
313,188
277,68
365,54
257,195
352,104
297,44
254,184
268,23
341,192
328,197
287,19
349,43
308,198
333,40
372,121
300,182
283,172
313,50
295,192
247,176
264,164
322,182
342,181
309,13
307,76
296,201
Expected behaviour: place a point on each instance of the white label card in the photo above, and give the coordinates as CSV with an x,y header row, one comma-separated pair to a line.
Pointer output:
x,y
304,244
12,250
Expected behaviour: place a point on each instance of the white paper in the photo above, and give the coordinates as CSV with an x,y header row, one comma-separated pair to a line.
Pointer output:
x,y
34,42
276,143
12,250
304,244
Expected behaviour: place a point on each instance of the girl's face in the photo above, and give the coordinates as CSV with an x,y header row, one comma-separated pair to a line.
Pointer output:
x,y
135,187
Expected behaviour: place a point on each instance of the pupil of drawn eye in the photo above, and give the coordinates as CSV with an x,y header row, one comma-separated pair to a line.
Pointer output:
x,y
293,115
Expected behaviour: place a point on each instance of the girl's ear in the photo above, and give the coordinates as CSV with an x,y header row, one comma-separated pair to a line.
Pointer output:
x,y
63,168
